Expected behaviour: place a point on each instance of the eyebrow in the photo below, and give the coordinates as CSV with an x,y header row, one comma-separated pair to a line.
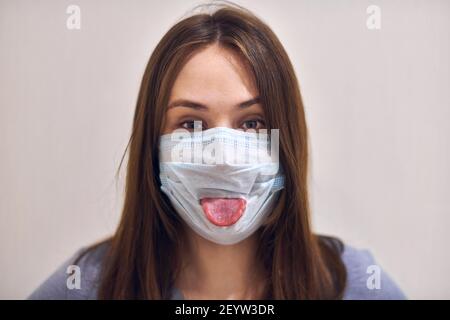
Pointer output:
x,y
197,105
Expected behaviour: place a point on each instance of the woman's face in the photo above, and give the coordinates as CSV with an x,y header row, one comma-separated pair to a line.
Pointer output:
x,y
215,88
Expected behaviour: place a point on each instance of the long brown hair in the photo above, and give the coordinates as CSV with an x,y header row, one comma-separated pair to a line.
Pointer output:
x,y
142,260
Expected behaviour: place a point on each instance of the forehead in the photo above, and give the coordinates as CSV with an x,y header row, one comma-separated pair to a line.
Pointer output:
x,y
214,73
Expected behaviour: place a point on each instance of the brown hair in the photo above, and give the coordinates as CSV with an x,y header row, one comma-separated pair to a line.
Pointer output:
x,y
142,262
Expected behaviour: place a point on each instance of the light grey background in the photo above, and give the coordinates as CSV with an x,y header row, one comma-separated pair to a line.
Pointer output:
x,y
377,103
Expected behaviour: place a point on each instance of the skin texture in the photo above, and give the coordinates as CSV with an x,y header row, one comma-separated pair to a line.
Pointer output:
x,y
218,82
216,79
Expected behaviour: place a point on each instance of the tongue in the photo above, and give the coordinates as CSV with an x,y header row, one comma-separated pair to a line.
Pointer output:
x,y
223,211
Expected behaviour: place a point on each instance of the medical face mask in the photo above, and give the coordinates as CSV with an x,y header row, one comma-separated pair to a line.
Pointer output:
x,y
222,182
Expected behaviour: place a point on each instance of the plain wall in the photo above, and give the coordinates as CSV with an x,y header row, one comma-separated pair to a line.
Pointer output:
x,y
377,105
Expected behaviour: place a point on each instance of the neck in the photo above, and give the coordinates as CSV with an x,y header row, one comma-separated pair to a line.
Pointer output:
x,y
213,271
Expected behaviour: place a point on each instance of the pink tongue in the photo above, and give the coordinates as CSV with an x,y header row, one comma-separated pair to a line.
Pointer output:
x,y
223,211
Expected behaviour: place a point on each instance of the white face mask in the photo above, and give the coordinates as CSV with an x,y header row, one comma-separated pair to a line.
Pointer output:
x,y
222,182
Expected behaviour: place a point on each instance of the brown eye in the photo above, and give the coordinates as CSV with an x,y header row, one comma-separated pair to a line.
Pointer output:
x,y
188,125
253,124
191,125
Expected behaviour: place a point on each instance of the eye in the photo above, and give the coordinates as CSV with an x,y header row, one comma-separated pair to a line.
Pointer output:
x,y
253,124
191,125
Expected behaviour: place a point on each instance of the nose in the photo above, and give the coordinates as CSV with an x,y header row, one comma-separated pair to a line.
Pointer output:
x,y
221,120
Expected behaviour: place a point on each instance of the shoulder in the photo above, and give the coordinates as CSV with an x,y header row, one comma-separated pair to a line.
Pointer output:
x,y
87,262
366,279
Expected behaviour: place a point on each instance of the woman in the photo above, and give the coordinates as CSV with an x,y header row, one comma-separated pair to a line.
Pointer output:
x,y
218,231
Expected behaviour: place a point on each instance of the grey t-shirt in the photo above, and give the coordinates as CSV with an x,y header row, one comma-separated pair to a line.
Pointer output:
x,y
360,265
